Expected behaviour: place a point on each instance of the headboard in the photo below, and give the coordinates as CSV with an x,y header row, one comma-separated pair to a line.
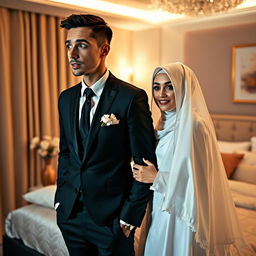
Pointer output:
x,y
234,127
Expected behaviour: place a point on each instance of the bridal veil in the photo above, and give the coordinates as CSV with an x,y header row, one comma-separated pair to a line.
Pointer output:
x,y
197,189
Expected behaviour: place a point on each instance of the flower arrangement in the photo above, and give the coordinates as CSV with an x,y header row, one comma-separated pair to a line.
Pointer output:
x,y
47,148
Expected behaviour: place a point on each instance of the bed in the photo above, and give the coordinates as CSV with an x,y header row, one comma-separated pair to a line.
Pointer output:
x,y
237,142
32,229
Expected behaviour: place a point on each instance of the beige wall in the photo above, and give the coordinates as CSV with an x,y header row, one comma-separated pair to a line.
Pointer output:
x,y
139,50
209,54
120,56
172,41
145,56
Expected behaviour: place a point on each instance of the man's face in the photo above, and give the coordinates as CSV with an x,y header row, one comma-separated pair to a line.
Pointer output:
x,y
85,56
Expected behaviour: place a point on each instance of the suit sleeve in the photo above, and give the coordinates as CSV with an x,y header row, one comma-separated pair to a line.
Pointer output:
x,y
63,157
142,143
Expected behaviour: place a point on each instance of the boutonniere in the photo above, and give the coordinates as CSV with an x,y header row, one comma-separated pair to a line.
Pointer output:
x,y
109,119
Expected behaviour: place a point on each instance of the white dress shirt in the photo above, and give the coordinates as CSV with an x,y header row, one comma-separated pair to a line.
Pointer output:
x,y
97,89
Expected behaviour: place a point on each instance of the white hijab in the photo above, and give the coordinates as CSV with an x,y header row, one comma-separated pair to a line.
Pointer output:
x,y
194,182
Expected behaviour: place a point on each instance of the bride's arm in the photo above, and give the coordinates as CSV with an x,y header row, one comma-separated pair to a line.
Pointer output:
x,y
145,174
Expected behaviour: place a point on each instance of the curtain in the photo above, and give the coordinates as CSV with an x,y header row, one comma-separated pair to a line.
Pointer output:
x,y
33,71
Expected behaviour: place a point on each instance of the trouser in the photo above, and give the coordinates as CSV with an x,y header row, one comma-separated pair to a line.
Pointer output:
x,y
83,237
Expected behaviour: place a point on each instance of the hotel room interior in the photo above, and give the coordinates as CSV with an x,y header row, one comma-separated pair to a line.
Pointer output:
x,y
34,70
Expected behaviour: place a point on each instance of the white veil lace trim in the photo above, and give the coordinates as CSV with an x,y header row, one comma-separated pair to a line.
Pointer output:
x,y
195,186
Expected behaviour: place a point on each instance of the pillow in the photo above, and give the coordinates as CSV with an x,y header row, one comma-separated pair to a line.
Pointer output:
x,y
231,161
249,157
231,147
253,143
246,170
245,173
43,196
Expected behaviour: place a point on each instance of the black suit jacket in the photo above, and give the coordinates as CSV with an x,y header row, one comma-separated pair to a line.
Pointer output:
x,y
104,173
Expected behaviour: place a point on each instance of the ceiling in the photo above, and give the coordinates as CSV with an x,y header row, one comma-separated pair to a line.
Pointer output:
x,y
133,14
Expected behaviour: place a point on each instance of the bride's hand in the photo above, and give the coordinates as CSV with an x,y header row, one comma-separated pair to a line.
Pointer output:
x,y
145,174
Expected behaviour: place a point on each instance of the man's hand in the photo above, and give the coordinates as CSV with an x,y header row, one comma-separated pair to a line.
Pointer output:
x,y
126,229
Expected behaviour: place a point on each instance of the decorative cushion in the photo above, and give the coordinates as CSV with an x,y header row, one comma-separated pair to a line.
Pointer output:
x,y
231,147
231,161
246,170
43,196
249,157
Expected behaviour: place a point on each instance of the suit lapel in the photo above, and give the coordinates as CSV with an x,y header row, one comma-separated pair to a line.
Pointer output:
x,y
109,92
74,114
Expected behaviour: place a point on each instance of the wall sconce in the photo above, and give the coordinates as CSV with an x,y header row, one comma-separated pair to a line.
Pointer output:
x,y
126,73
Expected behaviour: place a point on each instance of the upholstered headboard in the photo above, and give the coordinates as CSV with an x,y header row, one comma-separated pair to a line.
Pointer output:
x,y
234,127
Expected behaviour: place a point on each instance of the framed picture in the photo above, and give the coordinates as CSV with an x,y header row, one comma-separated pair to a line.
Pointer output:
x,y
244,73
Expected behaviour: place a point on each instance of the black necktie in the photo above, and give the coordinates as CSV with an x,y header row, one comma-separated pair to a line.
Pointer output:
x,y
85,115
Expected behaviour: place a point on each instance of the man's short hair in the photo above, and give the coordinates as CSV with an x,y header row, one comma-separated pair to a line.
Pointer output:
x,y
100,29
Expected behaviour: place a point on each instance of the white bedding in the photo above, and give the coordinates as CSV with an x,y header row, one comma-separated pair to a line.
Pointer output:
x,y
243,194
36,226
247,220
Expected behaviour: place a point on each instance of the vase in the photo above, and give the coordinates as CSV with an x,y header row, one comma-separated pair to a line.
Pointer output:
x,y
48,173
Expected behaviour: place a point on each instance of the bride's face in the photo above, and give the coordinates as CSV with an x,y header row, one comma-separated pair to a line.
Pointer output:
x,y
163,92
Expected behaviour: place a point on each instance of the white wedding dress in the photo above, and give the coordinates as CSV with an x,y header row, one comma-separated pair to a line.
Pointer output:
x,y
193,211
168,235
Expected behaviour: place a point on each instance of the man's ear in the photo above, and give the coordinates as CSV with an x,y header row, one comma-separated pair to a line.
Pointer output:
x,y
105,49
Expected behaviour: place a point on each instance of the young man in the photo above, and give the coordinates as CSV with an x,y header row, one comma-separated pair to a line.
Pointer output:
x,y
104,122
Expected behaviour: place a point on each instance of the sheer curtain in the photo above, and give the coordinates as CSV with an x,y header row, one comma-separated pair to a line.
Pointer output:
x,y
33,71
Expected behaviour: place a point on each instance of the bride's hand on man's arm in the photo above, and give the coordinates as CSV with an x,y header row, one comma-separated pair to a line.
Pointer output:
x,y
145,174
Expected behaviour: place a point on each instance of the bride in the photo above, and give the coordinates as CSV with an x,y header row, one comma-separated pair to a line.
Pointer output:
x,y
193,212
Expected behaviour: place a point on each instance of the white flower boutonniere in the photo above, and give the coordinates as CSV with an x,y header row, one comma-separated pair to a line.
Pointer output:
x,y
109,119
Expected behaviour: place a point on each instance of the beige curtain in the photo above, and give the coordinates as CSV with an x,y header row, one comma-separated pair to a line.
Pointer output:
x,y
33,72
